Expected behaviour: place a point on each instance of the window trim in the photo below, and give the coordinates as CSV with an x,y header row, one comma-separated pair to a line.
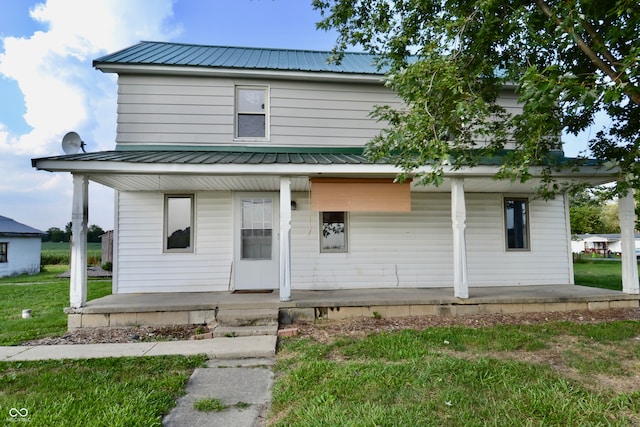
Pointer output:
x,y
4,252
346,234
527,239
165,224
267,112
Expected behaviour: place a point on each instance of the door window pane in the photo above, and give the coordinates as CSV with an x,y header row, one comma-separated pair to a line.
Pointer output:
x,y
256,235
333,236
517,224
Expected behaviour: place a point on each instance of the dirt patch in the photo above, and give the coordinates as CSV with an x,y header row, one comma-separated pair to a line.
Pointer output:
x,y
325,331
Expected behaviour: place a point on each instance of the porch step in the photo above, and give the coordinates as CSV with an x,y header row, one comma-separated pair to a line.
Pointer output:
x,y
248,317
244,331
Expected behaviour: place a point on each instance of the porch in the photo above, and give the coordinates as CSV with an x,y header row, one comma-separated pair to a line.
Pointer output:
x,y
155,309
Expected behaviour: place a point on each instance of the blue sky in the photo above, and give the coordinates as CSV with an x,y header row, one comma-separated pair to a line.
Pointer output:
x,y
48,86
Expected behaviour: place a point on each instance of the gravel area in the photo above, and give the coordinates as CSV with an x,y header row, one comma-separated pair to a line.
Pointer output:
x,y
123,335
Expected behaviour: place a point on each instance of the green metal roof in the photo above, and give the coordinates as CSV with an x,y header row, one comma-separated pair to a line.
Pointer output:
x,y
238,157
190,55
241,155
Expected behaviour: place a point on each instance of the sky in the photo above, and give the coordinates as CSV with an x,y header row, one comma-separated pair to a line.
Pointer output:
x,y
48,86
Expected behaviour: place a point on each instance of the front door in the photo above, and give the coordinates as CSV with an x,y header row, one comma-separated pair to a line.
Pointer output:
x,y
256,246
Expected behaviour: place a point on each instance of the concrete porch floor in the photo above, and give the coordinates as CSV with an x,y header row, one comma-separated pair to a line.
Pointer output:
x,y
199,308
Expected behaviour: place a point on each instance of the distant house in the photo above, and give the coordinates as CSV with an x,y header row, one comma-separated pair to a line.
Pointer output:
x,y
20,247
601,244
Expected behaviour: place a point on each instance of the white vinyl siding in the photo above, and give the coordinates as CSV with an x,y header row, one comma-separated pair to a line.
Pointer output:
x,y
159,110
490,264
386,250
142,264
415,249
23,255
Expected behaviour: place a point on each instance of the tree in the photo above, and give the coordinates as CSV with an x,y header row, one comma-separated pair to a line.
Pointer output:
x,y
94,233
449,59
54,234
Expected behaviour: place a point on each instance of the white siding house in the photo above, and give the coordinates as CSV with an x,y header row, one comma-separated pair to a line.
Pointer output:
x,y
20,247
243,169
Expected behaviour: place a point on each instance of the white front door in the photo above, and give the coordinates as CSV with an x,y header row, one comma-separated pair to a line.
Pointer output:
x,y
256,246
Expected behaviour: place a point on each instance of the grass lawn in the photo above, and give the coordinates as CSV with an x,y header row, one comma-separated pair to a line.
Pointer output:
x,y
554,374
598,274
97,392
47,296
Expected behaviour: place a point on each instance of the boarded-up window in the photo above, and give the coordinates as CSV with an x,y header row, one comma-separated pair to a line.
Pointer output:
x,y
360,195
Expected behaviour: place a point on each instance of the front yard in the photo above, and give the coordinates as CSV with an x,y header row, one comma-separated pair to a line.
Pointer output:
x,y
554,373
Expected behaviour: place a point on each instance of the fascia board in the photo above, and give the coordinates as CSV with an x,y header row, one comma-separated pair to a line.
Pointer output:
x,y
239,73
586,172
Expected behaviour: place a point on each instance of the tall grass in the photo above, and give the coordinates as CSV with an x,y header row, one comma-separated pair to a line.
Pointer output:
x,y
54,253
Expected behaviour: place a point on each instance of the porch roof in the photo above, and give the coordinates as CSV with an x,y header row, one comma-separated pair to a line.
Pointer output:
x,y
181,168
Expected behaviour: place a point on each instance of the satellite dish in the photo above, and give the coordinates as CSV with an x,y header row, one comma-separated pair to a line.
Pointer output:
x,y
71,143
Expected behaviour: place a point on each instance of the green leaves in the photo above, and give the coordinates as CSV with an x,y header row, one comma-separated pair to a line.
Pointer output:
x,y
566,61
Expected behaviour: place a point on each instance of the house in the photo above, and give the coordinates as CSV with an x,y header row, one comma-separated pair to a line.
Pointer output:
x,y
20,247
242,169
602,244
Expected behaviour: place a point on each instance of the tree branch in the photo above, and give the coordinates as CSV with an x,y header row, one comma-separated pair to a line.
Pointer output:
x,y
617,77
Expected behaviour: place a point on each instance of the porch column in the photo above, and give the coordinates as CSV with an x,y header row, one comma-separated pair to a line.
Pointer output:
x,y
79,219
627,215
285,239
458,222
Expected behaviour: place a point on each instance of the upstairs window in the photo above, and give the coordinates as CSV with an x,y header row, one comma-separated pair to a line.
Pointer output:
x,y
178,215
4,252
251,112
516,218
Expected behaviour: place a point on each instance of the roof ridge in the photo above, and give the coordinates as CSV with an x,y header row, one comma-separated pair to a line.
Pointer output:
x,y
281,49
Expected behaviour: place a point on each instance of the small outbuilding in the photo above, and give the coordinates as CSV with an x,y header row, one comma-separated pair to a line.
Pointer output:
x,y
20,247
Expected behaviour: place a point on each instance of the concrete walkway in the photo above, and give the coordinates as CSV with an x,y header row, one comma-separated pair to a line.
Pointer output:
x,y
238,374
217,348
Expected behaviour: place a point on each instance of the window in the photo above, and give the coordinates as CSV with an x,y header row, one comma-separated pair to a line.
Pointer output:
x,y
251,112
178,223
333,228
257,228
516,213
4,252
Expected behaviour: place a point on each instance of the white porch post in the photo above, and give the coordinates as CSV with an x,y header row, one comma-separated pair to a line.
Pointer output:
x,y
626,213
79,219
285,239
458,222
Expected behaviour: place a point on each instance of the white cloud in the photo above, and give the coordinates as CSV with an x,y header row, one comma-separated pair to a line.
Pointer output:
x,y
62,92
